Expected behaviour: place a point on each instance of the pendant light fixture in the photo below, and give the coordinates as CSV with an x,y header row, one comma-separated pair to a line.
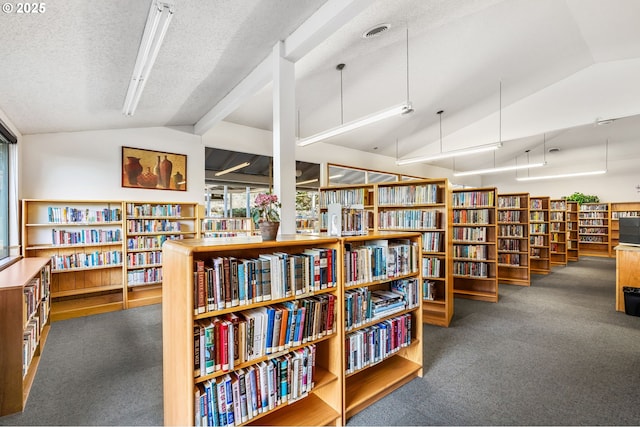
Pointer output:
x,y
396,110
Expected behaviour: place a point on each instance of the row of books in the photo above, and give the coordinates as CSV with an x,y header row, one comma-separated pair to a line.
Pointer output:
x,y
429,292
226,224
508,216
508,201
536,204
508,244
144,276
594,207
150,242
602,215
538,228
473,198
227,282
558,205
346,197
33,293
556,226
30,339
591,222
147,209
375,343
557,237
363,305
470,234
471,269
556,247
537,241
409,219
470,251
152,225
223,343
83,260
431,267
471,216
515,230
539,253
379,260
593,239
87,236
408,195
592,230
556,216
242,395
624,214
509,259
144,258
74,215
431,241
537,216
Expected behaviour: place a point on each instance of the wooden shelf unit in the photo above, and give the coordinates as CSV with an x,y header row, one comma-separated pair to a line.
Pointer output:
x,y
513,239
85,241
620,210
539,236
25,291
573,253
475,244
558,231
347,196
594,221
423,206
147,226
363,386
322,406
211,227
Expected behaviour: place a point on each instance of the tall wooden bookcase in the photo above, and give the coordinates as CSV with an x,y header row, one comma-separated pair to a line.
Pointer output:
x,y
594,221
24,325
558,231
322,405
423,206
513,239
475,266
573,254
539,236
347,196
84,239
621,210
148,226
368,380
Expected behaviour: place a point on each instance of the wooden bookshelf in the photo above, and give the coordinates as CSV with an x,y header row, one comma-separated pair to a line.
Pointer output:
x,y
423,206
321,405
211,227
513,239
84,239
147,226
558,231
24,326
593,232
475,269
539,237
573,254
369,379
620,210
347,196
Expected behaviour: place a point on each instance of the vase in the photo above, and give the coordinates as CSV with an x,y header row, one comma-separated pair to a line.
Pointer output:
x,y
133,168
268,230
156,169
165,172
178,180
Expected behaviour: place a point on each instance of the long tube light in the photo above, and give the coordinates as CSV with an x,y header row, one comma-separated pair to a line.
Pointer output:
x,y
499,169
564,175
309,181
232,168
160,14
449,154
358,123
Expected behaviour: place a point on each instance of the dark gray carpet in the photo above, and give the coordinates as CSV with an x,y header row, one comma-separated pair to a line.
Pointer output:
x,y
556,353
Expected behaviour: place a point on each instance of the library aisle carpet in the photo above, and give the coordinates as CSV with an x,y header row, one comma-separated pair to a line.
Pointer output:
x,y
556,353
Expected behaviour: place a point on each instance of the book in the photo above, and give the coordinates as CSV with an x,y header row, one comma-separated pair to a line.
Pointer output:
x,y
202,290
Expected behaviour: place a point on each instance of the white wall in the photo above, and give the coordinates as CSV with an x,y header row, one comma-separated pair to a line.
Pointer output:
x,y
88,165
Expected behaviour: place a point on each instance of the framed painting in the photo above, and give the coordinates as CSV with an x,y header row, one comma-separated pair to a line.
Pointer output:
x,y
155,170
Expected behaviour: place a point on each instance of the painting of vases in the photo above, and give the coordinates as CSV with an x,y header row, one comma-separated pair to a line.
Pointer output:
x,y
156,170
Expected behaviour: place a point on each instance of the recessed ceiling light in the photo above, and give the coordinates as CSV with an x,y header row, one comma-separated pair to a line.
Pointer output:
x,y
375,31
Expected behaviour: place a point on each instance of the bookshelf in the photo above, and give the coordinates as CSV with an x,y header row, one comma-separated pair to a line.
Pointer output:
x,y
475,272
423,206
621,210
24,326
513,239
316,403
84,240
573,254
147,226
593,229
558,231
370,312
539,237
347,196
211,227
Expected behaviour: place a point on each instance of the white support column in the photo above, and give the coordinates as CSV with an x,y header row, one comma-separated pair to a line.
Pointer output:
x,y
284,134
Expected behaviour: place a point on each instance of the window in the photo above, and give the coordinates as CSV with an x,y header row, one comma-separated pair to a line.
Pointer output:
x,y
6,138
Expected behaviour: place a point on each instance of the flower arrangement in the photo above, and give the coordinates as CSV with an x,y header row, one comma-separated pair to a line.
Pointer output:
x,y
266,208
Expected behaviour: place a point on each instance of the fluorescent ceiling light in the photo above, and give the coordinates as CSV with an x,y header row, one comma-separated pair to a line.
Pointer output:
x,y
449,154
233,168
355,124
307,182
499,169
155,29
336,176
564,175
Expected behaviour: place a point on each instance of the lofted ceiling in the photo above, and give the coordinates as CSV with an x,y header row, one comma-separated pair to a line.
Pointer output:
x,y
532,74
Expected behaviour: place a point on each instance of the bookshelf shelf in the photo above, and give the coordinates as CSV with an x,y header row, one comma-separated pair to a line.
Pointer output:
x,y
25,320
513,239
94,290
573,254
474,217
347,196
226,227
594,220
539,236
558,231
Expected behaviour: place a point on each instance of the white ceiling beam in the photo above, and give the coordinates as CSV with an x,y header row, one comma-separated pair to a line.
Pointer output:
x,y
324,22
